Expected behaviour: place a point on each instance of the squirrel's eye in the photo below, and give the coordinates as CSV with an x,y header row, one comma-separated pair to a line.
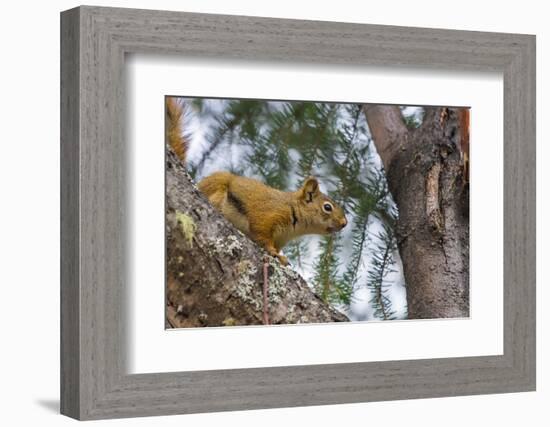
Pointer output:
x,y
327,207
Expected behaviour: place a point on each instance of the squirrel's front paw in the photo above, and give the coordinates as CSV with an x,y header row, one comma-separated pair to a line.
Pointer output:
x,y
273,252
283,259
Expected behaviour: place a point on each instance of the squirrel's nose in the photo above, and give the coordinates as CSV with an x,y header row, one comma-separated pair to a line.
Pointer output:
x,y
344,222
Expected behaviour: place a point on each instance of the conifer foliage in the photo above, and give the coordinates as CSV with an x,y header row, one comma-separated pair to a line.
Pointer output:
x,y
281,143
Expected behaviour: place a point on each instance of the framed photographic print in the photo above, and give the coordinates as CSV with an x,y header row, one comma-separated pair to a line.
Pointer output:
x,y
263,165
260,213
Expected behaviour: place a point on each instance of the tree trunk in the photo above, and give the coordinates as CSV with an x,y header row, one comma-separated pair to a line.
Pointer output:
x,y
215,273
426,177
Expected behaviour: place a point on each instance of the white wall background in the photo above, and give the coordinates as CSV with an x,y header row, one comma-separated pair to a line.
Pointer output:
x,y
29,225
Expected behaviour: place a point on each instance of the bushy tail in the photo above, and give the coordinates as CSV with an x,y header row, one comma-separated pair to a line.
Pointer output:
x,y
175,136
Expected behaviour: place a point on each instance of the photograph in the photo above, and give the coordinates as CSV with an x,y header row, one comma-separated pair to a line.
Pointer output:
x,y
283,212
268,212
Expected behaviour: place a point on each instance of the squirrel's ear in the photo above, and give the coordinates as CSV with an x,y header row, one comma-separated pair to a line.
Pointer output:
x,y
310,189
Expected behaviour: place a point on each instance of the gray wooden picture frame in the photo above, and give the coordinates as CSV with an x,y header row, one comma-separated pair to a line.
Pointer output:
x,y
94,41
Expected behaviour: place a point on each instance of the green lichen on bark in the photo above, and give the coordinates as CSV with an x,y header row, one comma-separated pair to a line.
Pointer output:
x,y
187,226
229,246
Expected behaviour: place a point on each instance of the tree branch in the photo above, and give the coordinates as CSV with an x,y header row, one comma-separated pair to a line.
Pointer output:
x,y
426,178
388,130
214,272
431,115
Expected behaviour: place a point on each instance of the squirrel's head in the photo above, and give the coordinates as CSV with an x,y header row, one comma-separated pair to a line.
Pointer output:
x,y
324,216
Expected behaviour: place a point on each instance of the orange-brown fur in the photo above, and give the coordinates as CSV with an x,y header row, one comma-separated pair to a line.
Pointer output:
x,y
175,111
269,216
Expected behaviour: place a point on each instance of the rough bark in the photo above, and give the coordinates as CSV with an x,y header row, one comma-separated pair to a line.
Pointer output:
x,y
214,272
425,176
